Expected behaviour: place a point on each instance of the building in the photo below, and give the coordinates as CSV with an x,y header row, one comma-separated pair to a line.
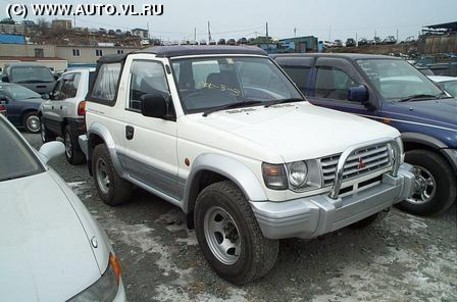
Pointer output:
x,y
61,24
300,44
142,33
83,55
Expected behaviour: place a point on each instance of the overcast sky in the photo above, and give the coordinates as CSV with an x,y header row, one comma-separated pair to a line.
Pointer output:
x,y
325,19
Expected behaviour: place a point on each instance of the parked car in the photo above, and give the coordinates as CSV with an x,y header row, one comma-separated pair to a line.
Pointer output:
x,y
448,84
35,76
363,41
221,42
350,42
389,40
390,90
22,105
222,133
51,247
338,43
231,42
63,114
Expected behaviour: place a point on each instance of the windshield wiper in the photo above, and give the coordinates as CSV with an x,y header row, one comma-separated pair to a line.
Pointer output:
x,y
232,105
419,97
283,101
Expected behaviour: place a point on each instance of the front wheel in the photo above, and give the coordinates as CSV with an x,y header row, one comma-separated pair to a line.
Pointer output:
x,y
112,189
435,184
229,235
31,122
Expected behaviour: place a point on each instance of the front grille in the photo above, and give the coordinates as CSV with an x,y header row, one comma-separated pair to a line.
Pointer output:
x,y
359,163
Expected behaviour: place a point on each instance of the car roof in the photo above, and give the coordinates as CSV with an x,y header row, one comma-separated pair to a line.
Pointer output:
x,y
25,64
187,50
441,78
349,56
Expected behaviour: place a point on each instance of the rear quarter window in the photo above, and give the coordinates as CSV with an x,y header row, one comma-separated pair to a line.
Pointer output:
x,y
106,84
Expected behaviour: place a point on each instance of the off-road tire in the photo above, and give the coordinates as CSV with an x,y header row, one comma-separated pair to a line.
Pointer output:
x,y
257,255
445,181
72,152
118,190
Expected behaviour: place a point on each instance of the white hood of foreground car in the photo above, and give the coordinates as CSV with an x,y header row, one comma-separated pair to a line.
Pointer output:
x,y
294,131
45,254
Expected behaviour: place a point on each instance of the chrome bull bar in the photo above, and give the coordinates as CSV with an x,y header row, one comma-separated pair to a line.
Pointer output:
x,y
395,156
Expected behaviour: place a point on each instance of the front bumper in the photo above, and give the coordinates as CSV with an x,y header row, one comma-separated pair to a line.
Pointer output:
x,y
317,215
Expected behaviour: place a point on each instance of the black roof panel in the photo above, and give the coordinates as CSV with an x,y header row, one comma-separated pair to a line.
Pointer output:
x,y
187,50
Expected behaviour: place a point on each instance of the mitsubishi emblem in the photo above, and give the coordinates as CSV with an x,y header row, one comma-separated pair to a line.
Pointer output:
x,y
361,164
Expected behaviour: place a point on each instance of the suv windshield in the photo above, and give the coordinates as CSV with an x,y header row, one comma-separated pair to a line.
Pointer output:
x,y
16,158
216,82
31,74
397,80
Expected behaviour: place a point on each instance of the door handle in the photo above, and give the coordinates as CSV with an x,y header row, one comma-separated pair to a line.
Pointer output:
x,y
129,131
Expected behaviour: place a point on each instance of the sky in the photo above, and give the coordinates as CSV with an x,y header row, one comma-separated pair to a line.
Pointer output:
x,y
326,19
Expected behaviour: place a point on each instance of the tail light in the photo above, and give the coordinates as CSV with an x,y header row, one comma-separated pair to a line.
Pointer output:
x,y
2,109
82,108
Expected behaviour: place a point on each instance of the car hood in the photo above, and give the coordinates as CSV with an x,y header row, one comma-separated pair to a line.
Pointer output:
x,y
45,253
289,132
442,113
37,101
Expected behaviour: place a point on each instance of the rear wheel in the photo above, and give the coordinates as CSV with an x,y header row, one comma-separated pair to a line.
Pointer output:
x,y
435,185
46,135
229,235
31,122
112,189
72,152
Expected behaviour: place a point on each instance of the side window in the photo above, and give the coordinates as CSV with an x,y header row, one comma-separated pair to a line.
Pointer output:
x,y
70,85
333,83
147,77
105,86
299,74
56,93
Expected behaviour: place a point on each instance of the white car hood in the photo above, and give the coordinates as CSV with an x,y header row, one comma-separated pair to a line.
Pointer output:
x,y
297,131
45,254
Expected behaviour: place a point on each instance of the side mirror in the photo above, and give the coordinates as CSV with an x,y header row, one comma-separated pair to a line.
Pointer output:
x,y
4,100
51,150
45,96
358,94
5,79
154,105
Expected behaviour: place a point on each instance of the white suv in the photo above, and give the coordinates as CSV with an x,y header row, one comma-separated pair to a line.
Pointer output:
x,y
222,133
63,114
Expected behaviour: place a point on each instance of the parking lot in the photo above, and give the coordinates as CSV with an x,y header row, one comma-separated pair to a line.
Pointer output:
x,y
402,258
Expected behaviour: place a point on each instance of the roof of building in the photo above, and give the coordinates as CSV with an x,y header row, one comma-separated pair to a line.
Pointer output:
x,y
449,26
30,59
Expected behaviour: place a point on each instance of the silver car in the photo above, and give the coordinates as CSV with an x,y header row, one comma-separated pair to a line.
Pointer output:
x,y
51,249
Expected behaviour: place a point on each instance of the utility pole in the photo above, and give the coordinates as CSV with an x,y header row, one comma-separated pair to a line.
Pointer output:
x,y
397,34
209,34
149,35
266,29
195,34
356,41
295,32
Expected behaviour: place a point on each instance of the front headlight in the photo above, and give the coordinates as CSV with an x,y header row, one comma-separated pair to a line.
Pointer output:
x,y
298,174
105,289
